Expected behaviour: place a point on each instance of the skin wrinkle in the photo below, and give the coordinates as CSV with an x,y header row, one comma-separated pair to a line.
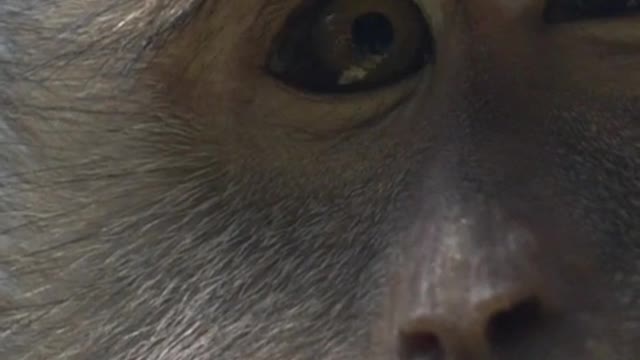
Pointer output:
x,y
141,228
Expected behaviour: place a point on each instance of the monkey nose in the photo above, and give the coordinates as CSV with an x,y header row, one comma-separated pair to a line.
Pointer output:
x,y
502,321
473,287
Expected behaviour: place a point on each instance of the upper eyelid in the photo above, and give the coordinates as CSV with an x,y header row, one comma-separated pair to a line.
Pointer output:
x,y
273,13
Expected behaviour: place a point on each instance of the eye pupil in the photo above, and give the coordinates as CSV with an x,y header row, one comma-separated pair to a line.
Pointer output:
x,y
372,34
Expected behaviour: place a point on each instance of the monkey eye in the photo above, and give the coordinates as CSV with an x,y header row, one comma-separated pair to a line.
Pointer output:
x,y
347,46
560,11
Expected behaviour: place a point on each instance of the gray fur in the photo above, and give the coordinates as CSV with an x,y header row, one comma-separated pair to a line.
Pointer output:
x,y
131,228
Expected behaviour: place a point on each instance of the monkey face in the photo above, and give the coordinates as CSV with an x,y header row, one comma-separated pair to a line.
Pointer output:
x,y
319,179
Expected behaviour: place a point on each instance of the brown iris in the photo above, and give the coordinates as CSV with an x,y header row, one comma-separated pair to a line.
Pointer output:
x,y
351,45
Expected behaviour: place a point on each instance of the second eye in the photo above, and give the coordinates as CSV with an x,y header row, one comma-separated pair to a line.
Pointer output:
x,y
343,46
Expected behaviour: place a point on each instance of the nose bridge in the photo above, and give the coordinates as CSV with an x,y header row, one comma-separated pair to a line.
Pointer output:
x,y
494,40
482,96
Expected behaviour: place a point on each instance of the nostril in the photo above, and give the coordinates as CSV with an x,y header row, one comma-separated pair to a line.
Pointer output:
x,y
420,345
515,323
